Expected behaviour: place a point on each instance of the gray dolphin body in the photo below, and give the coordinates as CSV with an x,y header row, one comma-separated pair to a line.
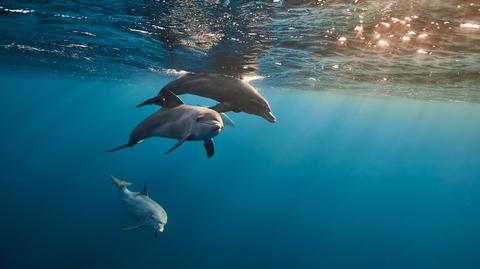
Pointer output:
x,y
144,211
233,94
179,121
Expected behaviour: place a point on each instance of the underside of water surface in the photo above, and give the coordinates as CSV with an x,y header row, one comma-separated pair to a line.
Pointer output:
x,y
417,49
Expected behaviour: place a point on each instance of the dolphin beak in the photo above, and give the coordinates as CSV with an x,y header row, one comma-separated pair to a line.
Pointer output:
x,y
218,126
270,117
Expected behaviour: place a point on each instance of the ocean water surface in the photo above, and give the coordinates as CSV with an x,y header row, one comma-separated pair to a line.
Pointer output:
x,y
374,161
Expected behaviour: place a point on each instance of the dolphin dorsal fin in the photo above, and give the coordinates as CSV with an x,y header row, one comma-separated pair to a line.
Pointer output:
x,y
144,191
170,99
222,107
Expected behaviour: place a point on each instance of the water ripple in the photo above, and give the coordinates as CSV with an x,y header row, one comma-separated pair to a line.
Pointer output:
x,y
418,49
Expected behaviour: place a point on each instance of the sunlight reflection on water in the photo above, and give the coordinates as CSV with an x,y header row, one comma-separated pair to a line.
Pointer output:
x,y
428,47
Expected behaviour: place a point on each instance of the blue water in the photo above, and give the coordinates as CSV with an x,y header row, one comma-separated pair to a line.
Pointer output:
x,y
339,181
374,161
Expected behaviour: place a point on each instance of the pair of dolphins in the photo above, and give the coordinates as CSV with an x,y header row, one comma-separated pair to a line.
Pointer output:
x,y
196,123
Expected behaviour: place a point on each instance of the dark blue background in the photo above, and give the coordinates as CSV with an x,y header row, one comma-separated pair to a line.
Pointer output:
x,y
338,182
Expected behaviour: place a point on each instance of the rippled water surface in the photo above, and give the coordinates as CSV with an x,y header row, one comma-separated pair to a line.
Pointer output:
x,y
419,49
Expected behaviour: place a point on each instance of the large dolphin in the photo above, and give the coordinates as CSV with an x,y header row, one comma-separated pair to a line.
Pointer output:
x,y
179,121
141,208
233,94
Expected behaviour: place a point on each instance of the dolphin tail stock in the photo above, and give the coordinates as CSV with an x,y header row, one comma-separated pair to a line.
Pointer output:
x,y
120,183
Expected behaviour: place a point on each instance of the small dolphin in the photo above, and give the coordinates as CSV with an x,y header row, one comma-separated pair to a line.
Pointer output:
x,y
179,121
141,208
233,94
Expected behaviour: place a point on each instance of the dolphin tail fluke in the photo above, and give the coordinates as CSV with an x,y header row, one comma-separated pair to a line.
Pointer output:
x,y
157,100
119,148
120,183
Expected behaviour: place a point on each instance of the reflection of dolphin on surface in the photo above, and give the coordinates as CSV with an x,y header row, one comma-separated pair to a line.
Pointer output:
x,y
233,94
179,121
141,208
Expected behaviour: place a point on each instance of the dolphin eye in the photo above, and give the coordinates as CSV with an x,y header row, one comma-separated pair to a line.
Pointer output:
x,y
199,118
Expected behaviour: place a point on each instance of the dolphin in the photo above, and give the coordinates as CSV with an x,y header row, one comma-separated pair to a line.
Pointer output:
x,y
233,94
179,121
141,208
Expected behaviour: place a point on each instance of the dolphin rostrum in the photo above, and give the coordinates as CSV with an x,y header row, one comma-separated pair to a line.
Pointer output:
x,y
141,208
179,121
233,94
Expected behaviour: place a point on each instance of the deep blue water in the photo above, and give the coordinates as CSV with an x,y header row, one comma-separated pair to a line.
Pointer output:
x,y
339,181
374,161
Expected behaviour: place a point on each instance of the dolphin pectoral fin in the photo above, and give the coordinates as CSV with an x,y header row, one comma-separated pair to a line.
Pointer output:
x,y
186,135
226,120
222,107
134,226
209,147
179,142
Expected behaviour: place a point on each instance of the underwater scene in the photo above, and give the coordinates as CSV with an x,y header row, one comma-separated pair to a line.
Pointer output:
x,y
240,134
